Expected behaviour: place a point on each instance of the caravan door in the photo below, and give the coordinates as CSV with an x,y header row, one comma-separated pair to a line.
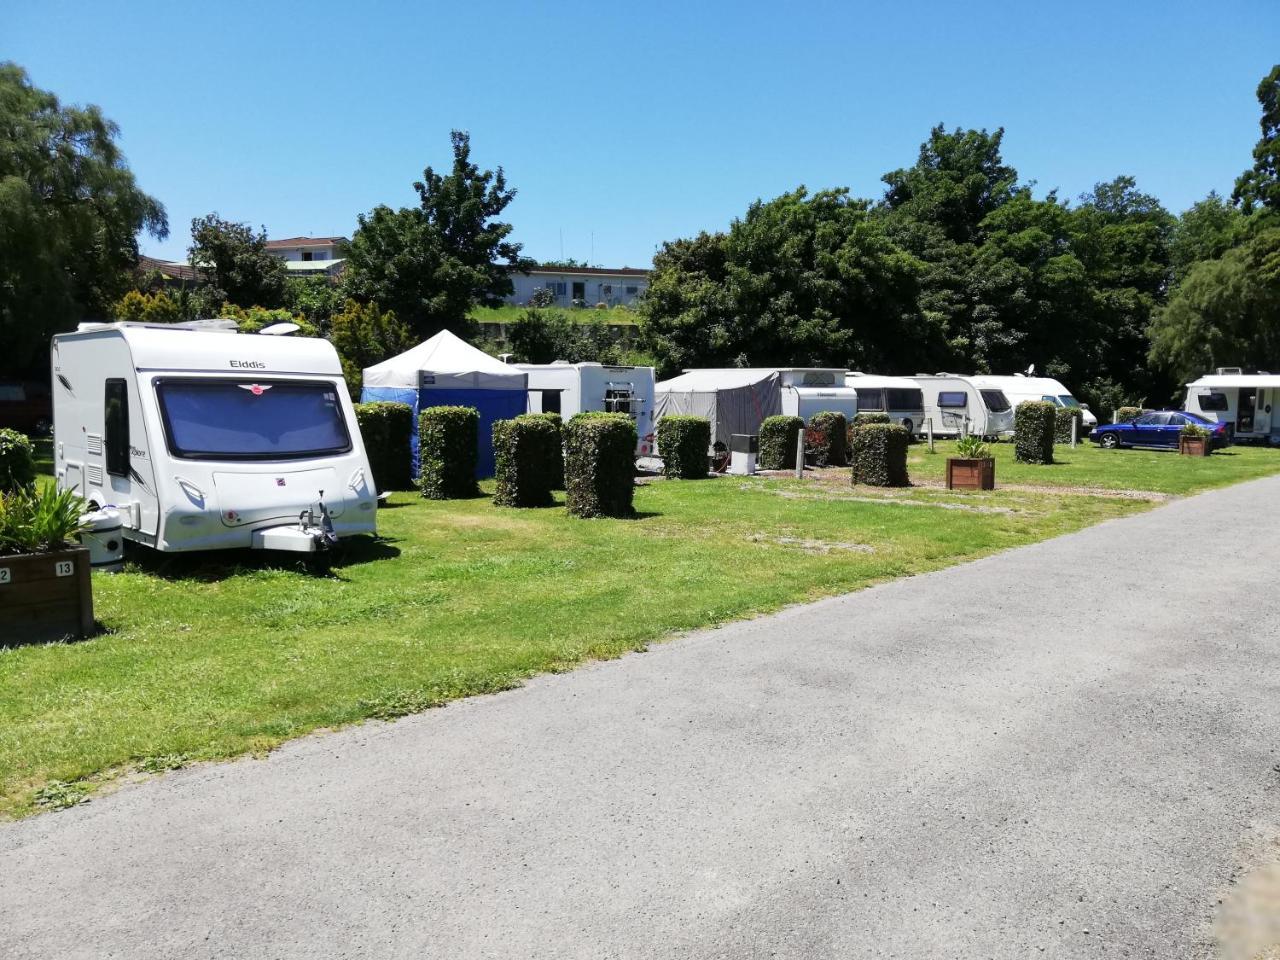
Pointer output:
x,y
1262,419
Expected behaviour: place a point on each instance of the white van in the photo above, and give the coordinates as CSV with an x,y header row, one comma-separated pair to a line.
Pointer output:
x,y
1019,388
810,390
208,439
900,397
956,405
570,388
1243,401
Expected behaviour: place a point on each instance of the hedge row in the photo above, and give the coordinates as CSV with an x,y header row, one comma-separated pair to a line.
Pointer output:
x,y
778,442
599,464
826,440
17,462
447,452
557,462
387,429
1034,423
683,442
879,454
526,451
1128,414
1062,424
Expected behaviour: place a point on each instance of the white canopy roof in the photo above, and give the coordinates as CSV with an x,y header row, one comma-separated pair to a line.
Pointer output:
x,y
725,378
1237,380
445,360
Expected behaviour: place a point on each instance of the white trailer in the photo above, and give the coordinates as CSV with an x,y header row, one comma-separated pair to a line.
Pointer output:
x,y
1243,401
810,390
900,397
570,388
1020,388
957,405
207,439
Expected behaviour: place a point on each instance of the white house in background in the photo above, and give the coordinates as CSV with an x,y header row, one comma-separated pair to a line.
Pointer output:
x,y
309,256
588,285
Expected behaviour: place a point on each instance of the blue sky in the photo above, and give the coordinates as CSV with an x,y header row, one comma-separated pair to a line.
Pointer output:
x,y
647,122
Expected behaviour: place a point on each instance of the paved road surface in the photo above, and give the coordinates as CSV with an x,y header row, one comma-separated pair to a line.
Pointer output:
x,y
1068,750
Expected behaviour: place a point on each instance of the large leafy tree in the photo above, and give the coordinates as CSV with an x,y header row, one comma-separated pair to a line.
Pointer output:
x,y
433,262
70,214
234,264
1259,186
801,279
363,335
1205,231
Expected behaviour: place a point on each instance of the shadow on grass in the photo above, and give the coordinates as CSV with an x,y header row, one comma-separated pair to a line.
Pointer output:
x,y
216,565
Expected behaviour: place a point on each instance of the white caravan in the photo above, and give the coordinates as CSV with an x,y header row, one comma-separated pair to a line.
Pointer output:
x,y
957,405
206,439
900,397
1020,388
1243,401
570,388
810,390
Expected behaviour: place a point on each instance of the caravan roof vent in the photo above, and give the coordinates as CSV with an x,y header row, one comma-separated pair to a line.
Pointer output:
x,y
1229,371
221,324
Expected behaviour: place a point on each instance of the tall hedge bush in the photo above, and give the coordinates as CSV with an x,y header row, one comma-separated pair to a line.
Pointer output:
x,y
599,464
447,452
1062,424
557,463
879,454
863,418
17,462
1128,414
387,429
526,450
778,442
826,440
683,442
1034,424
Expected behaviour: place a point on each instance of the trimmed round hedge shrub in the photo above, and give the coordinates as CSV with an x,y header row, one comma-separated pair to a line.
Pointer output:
x,y
879,453
1128,414
1034,424
778,442
1062,424
17,462
599,465
526,452
387,429
826,440
557,464
861,418
683,442
447,453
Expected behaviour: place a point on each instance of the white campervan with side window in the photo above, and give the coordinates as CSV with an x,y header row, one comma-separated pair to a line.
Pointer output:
x,y
572,388
899,397
956,405
1020,388
1243,401
205,439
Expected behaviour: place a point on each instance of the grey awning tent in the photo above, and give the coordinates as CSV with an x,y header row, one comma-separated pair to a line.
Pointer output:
x,y
734,400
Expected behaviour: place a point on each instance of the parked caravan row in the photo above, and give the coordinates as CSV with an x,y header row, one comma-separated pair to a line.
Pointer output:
x,y
203,438
1243,401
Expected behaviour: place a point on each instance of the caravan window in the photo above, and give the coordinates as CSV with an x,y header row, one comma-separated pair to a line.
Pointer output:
x,y
953,399
247,420
995,400
550,401
1213,401
869,399
115,432
618,401
1067,400
903,398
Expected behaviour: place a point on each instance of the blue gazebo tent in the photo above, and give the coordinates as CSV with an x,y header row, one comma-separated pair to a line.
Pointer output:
x,y
448,371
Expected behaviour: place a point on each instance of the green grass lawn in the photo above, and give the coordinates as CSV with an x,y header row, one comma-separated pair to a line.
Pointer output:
x,y
209,658
508,313
1088,465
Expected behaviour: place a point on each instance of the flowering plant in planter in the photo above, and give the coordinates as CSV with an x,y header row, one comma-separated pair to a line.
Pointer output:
x,y
45,589
1193,440
973,467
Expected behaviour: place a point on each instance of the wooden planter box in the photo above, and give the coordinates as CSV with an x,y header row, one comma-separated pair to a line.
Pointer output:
x,y
45,596
1193,446
965,474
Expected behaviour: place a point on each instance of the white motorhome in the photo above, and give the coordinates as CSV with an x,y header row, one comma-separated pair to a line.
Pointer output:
x,y
900,397
207,439
956,405
570,388
1243,401
1020,388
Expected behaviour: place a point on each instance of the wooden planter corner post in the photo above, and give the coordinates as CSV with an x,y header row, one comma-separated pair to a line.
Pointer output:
x,y
1193,446
45,596
964,474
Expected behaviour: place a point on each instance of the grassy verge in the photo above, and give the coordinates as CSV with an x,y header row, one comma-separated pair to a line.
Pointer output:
x,y
1088,465
215,657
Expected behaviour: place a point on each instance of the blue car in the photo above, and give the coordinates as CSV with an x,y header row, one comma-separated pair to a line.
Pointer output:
x,y
1158,429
